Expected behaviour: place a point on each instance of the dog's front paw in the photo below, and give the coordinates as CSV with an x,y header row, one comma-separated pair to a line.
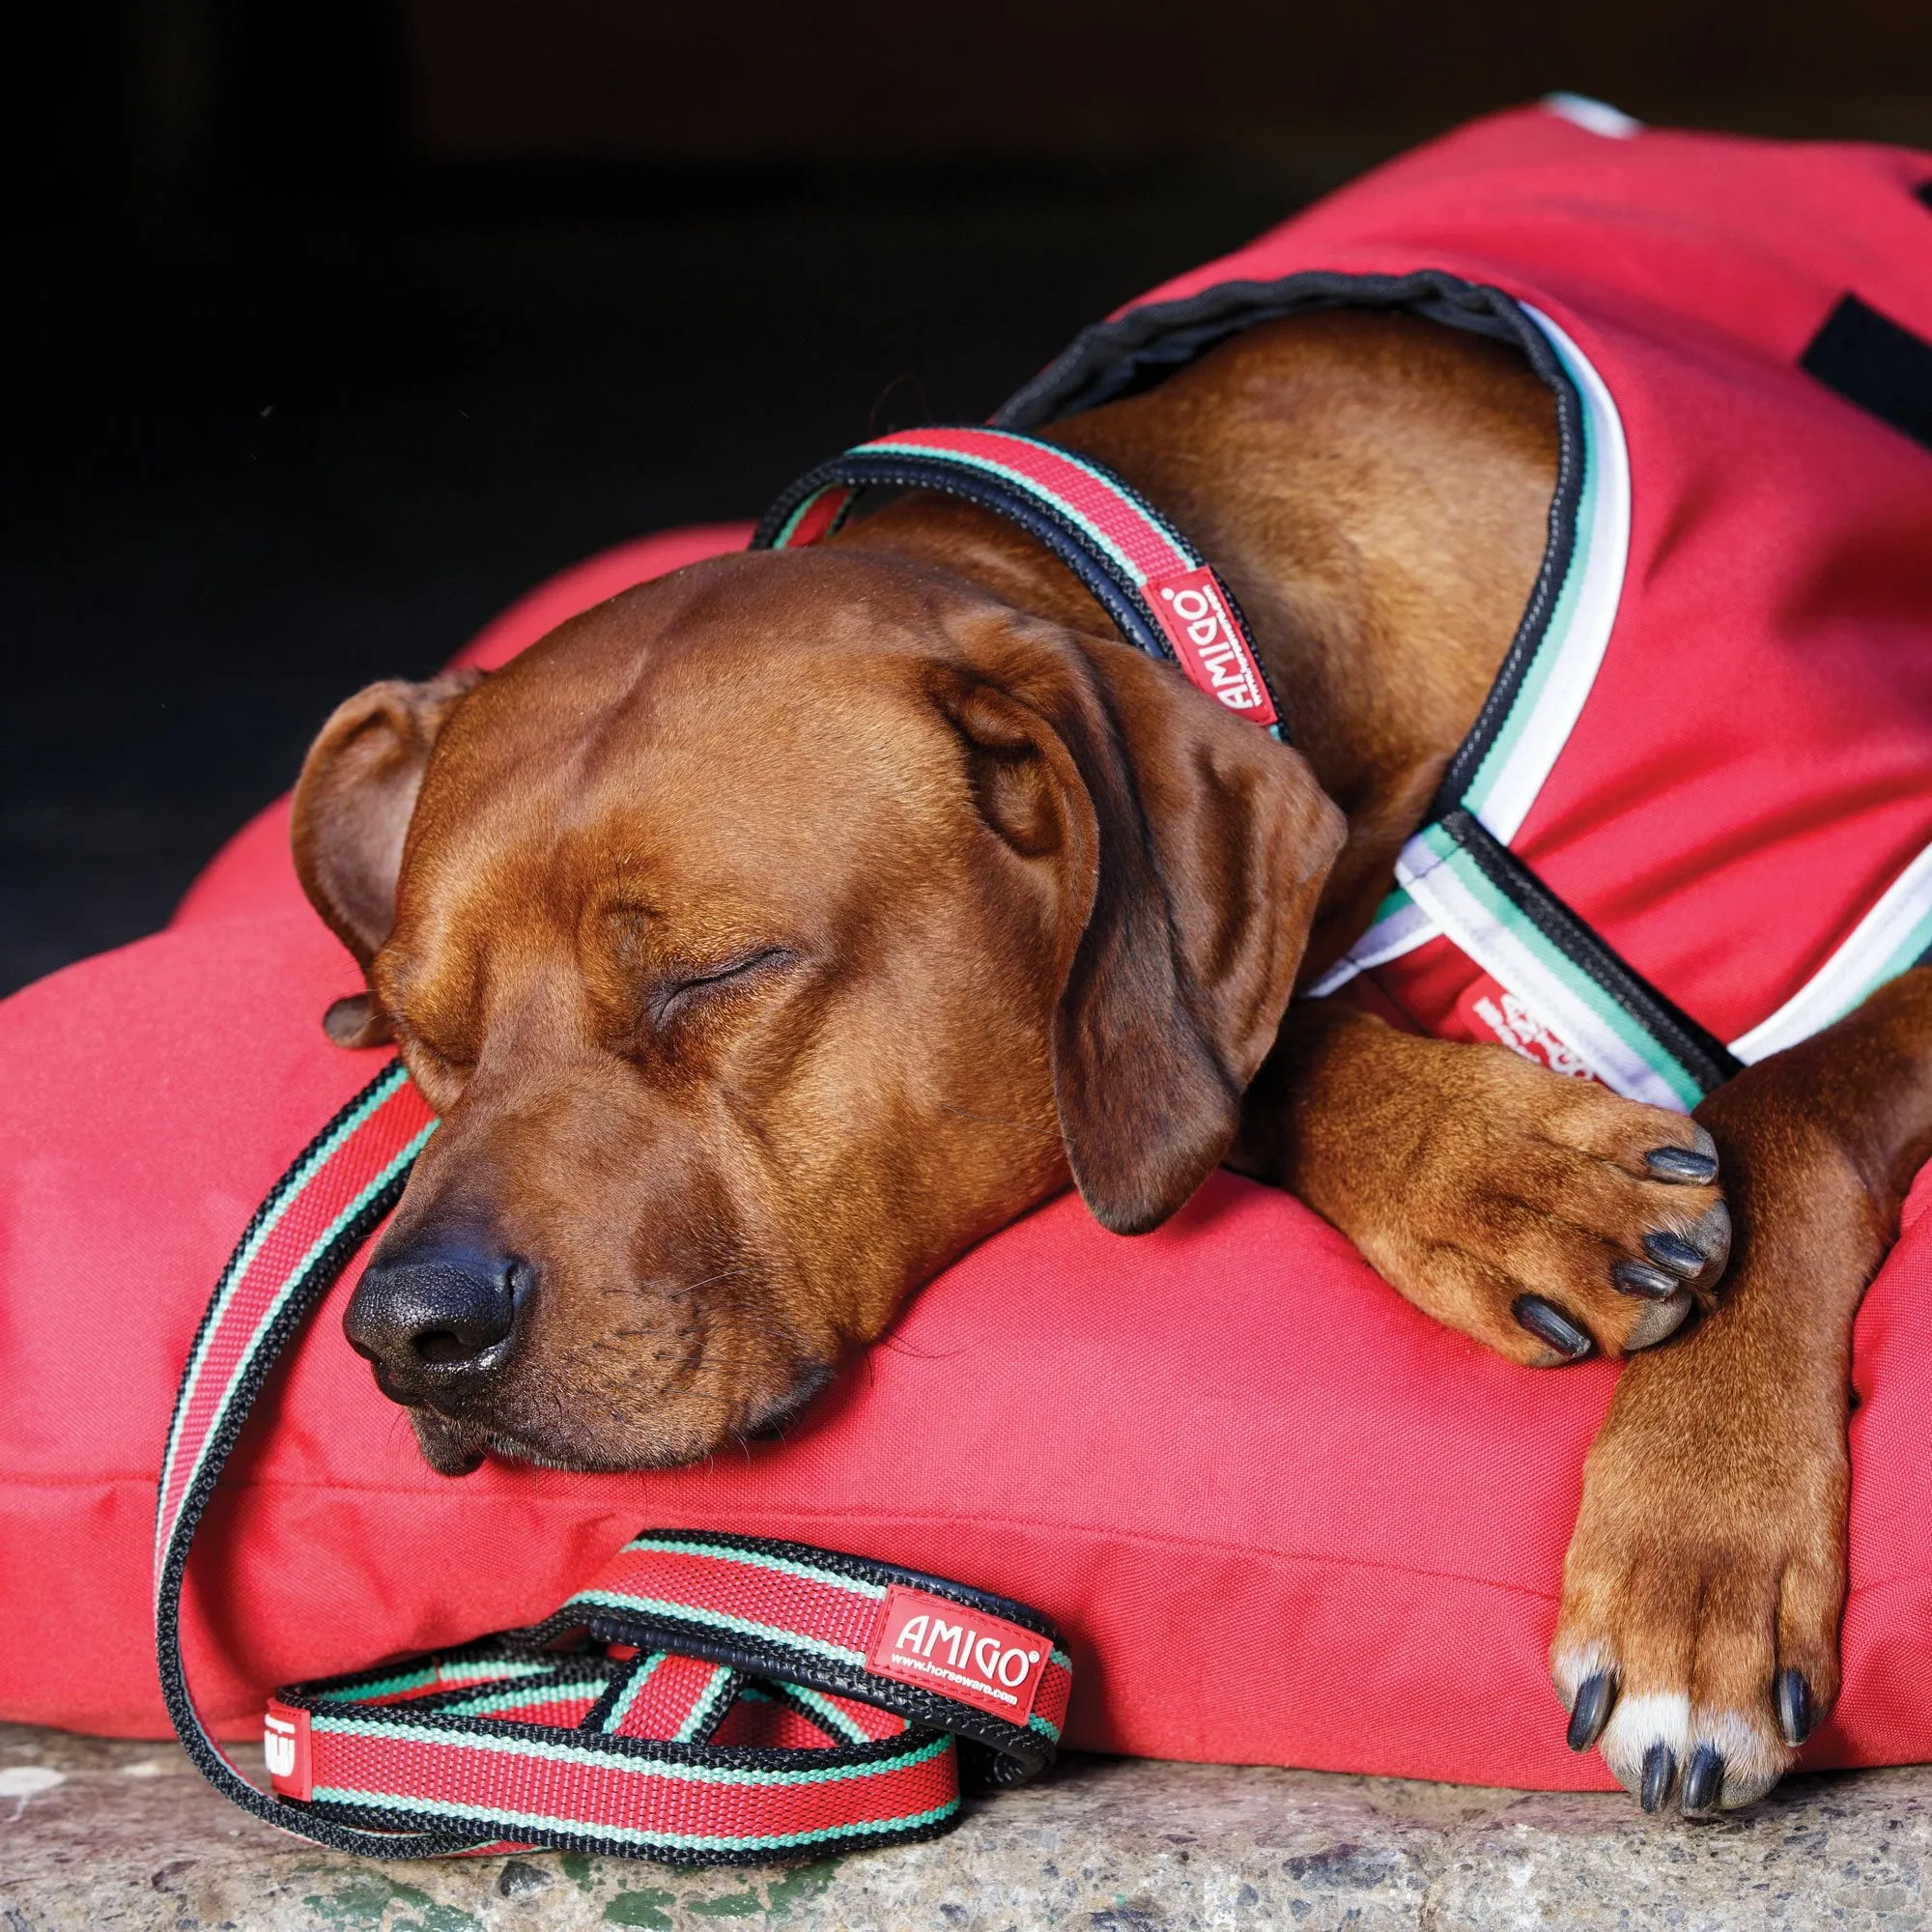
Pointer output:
x,y
1548,1218
1697,1642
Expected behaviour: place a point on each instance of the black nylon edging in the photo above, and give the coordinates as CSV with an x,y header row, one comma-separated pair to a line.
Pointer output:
x,y
374,1832
1703,1056
201,1752
1112,588
1137,350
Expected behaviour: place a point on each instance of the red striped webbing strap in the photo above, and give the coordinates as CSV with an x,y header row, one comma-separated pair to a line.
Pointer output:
x,y
1159,592
706,1700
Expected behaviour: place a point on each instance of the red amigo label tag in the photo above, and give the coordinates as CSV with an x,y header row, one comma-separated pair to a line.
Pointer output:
x,y
1193,612
285,1748
1487,1011
994,1666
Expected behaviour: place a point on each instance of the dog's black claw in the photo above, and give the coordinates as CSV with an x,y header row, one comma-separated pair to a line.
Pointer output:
x,y
1550,1324
1704,1780
1660,1774
1674,1252
1591,1711
1675,1163
1796,1717
1636,1278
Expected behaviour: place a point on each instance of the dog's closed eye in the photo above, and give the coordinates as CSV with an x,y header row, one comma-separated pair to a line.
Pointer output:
x,y
677,994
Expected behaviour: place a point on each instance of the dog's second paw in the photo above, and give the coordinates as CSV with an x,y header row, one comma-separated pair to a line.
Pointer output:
x,y
1696,1647
1550,1218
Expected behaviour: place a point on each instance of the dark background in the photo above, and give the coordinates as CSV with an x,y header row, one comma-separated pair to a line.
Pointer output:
x,y
328,330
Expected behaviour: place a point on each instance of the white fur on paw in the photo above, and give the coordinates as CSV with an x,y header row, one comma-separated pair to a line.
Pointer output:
x,y
1638,1721
1756,1756
1573,1665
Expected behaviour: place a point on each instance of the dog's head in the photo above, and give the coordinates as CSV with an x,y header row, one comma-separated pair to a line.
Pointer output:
x,y
764,938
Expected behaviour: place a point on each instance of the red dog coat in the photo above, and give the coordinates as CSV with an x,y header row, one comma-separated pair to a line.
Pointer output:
x,y
1282,1549
1694,822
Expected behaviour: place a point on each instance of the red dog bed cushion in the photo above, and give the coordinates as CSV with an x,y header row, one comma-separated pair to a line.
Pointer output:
x,y
1286,1519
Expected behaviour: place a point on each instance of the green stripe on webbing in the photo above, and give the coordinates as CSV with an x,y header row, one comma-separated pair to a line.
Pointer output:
x,y
1038,492
696,1841
451,1676
426,1732
1046,1726
693,1722
288,1192
840,1722
756,1559
1557,631
296,1278
493,1702
689,1613
621,1709
793,521
1636,1037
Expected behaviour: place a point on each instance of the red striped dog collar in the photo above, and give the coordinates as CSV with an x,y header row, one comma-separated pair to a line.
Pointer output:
x,y
1159,591
708,1699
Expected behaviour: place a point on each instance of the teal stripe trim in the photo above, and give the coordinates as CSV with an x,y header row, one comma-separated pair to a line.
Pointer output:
x,y
838,1722
298,1276
493,1701
425,1733
701,1711
689,1613
1562,616
453,1676
1899,960
243,1257
628,1834
797,517
756,1559
621,1709
1559,679
1635,1038
1026,485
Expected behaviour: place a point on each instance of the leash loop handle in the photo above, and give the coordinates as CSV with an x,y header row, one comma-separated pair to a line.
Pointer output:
x,y
706,1700
316,1215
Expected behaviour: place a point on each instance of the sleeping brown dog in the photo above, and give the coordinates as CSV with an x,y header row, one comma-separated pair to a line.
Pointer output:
x,y
770,935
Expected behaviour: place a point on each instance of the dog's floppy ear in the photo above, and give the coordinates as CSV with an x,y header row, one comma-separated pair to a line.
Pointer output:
x,y
353,805
1191,849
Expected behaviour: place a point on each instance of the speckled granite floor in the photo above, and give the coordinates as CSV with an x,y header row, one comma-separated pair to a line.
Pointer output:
x,y
126,1835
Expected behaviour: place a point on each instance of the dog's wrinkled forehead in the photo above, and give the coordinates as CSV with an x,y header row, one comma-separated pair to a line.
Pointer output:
x,y
708,755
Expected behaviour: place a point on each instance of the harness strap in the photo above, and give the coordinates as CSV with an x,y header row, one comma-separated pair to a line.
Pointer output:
x,y
705,1699
1161,594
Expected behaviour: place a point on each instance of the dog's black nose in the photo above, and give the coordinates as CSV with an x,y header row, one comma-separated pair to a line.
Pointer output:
x,y
435,1314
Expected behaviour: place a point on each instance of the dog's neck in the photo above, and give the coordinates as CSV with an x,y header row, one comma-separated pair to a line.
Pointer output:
x,y
1376,491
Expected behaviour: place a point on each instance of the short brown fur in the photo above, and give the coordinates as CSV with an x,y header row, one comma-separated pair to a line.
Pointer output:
x,y
773,932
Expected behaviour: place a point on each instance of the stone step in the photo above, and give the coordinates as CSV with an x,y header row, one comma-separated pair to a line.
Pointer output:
x,y
96,1834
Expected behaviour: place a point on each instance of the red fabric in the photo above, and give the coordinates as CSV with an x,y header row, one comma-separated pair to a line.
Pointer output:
x,y
1284,1517
1759,732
